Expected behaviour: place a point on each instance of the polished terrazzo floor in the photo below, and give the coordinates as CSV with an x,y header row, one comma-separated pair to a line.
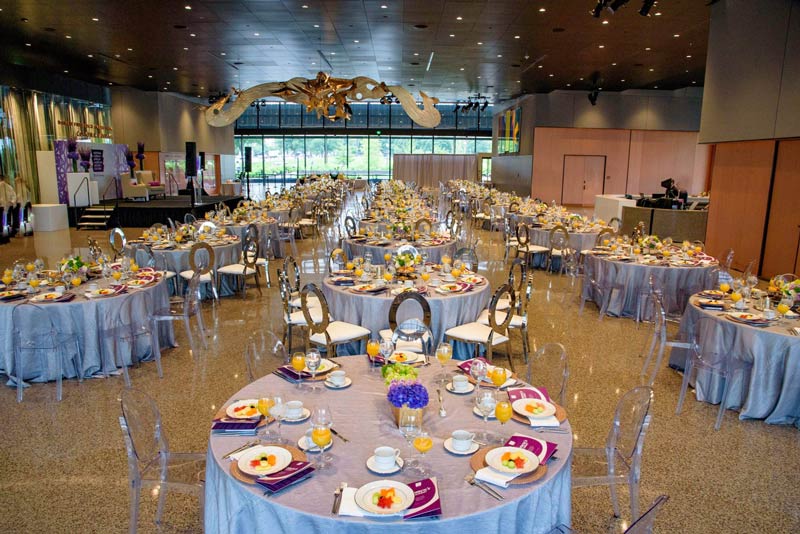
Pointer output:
x,y
63,465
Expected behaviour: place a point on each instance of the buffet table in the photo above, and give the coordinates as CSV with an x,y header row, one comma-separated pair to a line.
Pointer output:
x,y
85,318
362,414
773,393
372,310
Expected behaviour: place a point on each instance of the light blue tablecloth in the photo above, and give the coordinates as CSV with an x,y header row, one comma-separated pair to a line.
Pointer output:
x,y
362,414
354,248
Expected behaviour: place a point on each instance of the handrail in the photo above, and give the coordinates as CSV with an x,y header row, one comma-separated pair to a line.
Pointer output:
x,y
84,180
173,180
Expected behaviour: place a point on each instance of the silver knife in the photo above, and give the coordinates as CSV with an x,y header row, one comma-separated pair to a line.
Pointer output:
x,y
243,447
341,437
471,479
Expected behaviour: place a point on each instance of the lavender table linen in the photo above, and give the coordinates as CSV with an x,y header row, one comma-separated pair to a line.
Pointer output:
x,y
679,283
435,253
372,311
85,318
577,241
362,414
773,392
266,232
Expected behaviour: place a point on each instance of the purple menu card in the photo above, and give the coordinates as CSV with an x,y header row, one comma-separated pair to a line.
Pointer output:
x,y
542,449
426,499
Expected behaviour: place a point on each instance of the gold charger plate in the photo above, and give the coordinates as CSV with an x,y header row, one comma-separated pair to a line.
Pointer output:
x,y
297,456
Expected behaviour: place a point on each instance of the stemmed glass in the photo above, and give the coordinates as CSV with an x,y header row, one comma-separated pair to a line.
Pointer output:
x,y
486,402
478,371
503,411
299,364
373,349
277,411
387,349
410,427
423,443
784,306
444,352
313,359
264,406
321,421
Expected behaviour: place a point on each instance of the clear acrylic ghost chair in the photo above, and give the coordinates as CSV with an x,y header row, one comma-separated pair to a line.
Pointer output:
x,y
416,344
620,461
708,357
660,338
413,332
263,353
603,285
151,464
549,368
35,336
468,257
184,311
643,525
132,323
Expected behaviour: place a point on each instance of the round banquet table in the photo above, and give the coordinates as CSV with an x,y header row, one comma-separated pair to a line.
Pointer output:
x,y
177,260
267,236
355,248
577,241
372,310
85,318
635,278
362,414
773,393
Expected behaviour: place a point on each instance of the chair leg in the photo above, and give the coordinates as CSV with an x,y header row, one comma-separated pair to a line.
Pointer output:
x,y
633,488
162,499
723,402
687,371
613,486
19,370
121,362
650,353
188,328
156,344
135,496
202,327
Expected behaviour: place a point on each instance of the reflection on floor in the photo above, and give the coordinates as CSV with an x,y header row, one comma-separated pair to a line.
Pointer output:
x,y
63,467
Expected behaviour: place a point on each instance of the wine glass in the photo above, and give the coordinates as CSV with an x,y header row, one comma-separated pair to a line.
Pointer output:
x,y
387,349
410,426
321,421
313,360
423,443
478,371
498,376
486,402
264,405
503,411
373,349
444,352
299,364
277,410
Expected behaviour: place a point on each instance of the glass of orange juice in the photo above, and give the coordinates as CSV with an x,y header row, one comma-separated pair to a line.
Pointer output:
x,y
264,404
7,279
30,267
446,259
724,287
34,283
116,275
76,281
349,265
784,306
425,276
387,276
299,364
503,411
498,376
423,443
359,272
134,267
387,256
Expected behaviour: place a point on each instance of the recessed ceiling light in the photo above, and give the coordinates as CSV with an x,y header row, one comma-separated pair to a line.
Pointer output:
x,y
201,87
256,34
95,19
452,35
569,85
130,50
187,7
333,53
355,40
174,68
198,96
192,35
655,87
651,70
479,77
28,44
412,79
516,37
540,66
186,48
223,54
480,43
658,13
677,35
416,53
581,79
552,75
462,68
647,48
169,83
389,68
383,7
499,55
605,22
313,62
613,64
542,10
518,81
689,57
89,55
601,46
304,6
694,81
116,55
622,80
68,36
459,18
149,75
316,25
66,72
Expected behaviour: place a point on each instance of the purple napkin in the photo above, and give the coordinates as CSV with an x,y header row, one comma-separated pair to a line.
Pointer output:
x,y
289,371
426,499
533,445
349,282
293,473
228,423
66,297
467,365
377,359
530,392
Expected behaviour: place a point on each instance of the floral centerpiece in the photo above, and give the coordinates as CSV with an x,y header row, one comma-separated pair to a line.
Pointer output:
x,y
86,156
401,227
651,243
72,153
129,161
398,371
576,221
140,154
74,265
405,262
407,394
778,286
240,214
185,232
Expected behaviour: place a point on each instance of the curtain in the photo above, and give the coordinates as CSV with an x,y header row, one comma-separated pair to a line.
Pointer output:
x,y
427,170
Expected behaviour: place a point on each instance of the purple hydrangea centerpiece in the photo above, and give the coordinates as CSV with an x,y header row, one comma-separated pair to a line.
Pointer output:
x,y
86,156
409,392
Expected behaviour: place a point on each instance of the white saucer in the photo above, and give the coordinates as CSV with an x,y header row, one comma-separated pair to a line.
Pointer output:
x,y
479,414
305,415
448,445
305,444
449,387
434,282
375,469
347,383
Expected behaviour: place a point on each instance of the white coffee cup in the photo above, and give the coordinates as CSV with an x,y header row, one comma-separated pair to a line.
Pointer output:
x,y
462,440
337,378
460,383
769,313
293,409
59,289
740,305
386,457
92,287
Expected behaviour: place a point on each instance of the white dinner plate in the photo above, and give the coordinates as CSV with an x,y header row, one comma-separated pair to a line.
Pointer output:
x,y
282,459
520,406
249,409
364,496
494,460
406,357
46,297
325,365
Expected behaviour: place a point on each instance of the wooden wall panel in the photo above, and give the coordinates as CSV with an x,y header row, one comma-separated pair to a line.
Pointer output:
x,y
783,228
656,155
741,174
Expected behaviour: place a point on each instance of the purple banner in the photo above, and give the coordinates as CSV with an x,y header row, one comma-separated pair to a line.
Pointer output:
x,y
63,166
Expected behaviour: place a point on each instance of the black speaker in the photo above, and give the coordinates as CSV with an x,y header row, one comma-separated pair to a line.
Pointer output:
x,y
202,161
248,159
191,158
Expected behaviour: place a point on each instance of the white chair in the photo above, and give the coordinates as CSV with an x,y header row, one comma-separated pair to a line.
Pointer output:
x,y
620,461
151,464
327,333
491,335
524,246
202,261
246,268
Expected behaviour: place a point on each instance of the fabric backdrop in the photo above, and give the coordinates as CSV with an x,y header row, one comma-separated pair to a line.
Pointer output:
x,y
427,170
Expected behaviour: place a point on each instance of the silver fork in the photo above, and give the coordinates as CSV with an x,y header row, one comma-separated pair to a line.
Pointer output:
x,y
470,478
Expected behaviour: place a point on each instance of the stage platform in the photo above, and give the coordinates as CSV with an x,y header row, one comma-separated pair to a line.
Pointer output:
x,y
145,214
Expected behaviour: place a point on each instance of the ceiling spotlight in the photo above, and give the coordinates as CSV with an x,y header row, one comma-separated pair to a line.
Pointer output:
x,y
647,5
187,8
616,4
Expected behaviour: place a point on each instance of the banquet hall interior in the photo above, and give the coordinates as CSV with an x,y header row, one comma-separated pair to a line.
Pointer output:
x,y
213,214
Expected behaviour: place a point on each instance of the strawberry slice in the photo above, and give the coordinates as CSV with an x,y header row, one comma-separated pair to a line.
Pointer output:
x,y
385,502
519,463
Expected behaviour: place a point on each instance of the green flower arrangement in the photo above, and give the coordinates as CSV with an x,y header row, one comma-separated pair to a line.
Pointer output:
x,y
73,264
398,371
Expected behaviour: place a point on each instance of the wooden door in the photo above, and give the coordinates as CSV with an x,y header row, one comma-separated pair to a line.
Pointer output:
x,y
583,179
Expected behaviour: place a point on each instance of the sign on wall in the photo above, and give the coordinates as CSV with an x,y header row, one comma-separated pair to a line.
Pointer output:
x,y
97,160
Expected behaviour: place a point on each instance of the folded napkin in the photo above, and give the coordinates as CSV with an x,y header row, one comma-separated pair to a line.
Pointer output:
x,y
377,359
796,330
551,421
290,372
348,506
295,472
487,474
348,282
240,427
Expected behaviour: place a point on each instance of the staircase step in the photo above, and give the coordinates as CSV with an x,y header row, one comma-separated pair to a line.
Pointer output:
x,y
106,216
